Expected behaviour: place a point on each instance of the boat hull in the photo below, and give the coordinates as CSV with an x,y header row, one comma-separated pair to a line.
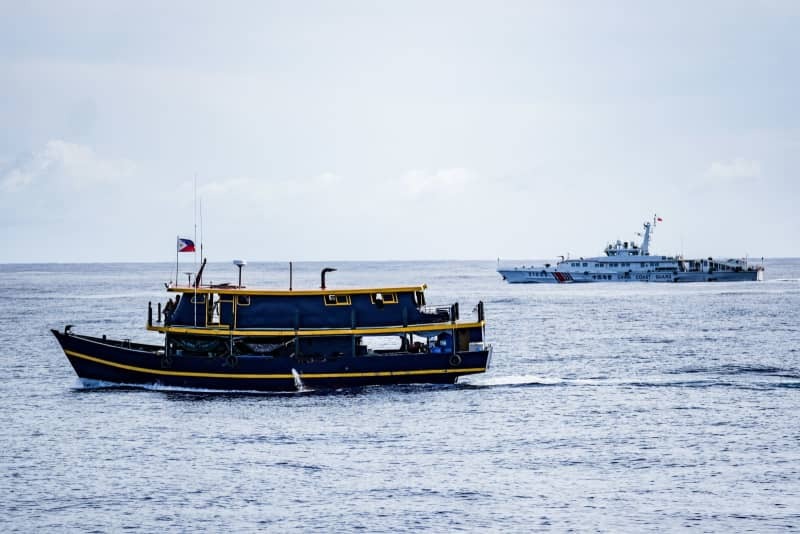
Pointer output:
x,y
530,276
137,364
534,276
670,276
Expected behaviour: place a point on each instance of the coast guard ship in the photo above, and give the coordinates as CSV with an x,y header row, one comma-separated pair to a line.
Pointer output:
x,y
625,261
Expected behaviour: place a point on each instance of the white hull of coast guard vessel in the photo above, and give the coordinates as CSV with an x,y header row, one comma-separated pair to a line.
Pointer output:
x,y
532,274
628,262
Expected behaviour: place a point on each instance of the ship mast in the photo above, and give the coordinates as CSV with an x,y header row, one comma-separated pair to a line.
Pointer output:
x,y
648,230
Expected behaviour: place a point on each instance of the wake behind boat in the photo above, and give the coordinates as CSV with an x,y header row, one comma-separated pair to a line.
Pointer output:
x,y
231,337
625,261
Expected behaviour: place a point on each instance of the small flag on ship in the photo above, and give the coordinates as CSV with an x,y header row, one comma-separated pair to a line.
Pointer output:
x,y
659,219
185,245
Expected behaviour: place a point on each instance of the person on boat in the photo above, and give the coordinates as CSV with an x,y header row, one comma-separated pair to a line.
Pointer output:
x,y
169,307
444,344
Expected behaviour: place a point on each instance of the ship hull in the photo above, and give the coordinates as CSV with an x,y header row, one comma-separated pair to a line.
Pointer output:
x,y
743,276
529,276
670,276
526,276
127,363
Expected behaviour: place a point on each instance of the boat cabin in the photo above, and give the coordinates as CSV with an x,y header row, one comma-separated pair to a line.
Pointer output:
x,y
239,308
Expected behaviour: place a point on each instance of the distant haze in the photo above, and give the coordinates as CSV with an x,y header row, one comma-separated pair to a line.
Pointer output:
x,y
397,130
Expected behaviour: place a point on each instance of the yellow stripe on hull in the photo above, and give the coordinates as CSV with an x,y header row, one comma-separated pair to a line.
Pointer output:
x,y
286,376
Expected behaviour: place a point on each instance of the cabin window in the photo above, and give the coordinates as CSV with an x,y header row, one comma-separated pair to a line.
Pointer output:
x,y
243,300
585,264
385,344
386,298
198,299
337,300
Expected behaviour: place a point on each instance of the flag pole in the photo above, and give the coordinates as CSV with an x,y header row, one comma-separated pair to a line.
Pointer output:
x,y
201,228
195,222
176,259
195,248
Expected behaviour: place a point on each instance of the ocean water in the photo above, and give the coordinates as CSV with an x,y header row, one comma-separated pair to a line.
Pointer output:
x,y
608,407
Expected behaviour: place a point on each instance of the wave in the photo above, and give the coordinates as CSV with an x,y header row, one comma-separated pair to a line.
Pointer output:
x,y
512,381
86,384
788,385
739,369
515,381
508,300
654,340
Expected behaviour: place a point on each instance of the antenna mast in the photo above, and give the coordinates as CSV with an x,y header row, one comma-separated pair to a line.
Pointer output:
x,y
195,218
201,227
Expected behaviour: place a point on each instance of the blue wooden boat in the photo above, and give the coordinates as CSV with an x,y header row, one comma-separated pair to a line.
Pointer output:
x,y
230,337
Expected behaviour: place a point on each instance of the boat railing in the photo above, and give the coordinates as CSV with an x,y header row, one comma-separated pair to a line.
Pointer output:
x,y
162,315
436,314
449,313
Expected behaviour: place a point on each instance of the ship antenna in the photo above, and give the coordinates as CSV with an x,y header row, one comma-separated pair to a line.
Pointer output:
x,y
201,228
240,264
195,251
646,239
195,219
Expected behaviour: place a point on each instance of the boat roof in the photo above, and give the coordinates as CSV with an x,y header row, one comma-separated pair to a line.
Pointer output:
x,y
229,289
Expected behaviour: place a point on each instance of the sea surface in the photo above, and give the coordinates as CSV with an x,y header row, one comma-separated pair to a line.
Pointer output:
x,y
608,407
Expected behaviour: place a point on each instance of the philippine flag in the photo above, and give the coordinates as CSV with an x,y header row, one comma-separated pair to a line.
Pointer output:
x,y
185,245
659,219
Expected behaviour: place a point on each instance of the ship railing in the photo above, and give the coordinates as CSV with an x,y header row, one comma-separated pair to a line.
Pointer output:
x,y
449,313
438,313
162,315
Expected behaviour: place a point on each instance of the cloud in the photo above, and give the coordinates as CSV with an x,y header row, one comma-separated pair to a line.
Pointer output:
x,y
70,164
419,182
736,169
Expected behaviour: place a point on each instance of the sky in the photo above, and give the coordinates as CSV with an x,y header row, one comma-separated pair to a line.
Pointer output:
x,y
360,130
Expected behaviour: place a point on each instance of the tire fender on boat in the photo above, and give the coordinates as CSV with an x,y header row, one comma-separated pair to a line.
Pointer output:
x,y
455,360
